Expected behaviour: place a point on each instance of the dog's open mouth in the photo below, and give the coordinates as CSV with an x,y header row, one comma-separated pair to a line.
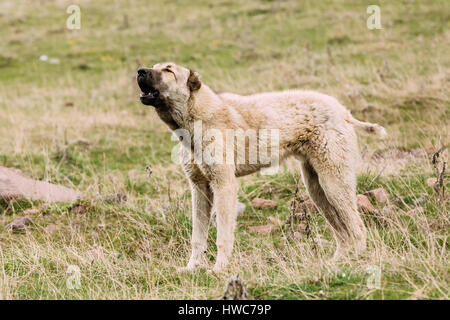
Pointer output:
x,y
151,94
148,81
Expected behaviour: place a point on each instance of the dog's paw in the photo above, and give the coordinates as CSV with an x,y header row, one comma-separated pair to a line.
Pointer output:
x,y
215,271
192,265
188,269
219,267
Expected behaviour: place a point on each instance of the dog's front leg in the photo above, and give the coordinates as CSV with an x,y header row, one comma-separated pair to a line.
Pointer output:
x,y
201,214
225,189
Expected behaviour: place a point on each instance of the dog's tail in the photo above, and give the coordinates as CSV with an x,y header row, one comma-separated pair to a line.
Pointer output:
x,y
367,127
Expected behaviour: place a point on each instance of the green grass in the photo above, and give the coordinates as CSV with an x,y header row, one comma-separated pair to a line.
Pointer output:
x,y
397,76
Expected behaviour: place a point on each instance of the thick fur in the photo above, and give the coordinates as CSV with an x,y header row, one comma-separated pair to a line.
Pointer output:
x,y
314,128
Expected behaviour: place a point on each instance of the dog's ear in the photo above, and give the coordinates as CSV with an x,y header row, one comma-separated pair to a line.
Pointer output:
x,y
194,82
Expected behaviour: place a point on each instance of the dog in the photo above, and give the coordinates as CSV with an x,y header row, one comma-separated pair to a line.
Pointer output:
x,y
313,127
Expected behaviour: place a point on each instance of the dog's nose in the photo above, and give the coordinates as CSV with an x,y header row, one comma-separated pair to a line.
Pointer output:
x,y
142,71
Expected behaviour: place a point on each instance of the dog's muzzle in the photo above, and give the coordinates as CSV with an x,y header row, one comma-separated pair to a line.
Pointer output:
x,y
149,93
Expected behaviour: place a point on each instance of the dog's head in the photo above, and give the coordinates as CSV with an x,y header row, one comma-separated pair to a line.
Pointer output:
x,y
167,85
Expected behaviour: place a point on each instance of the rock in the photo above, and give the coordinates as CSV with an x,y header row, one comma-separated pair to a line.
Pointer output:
x,y
379,195
262,230
79,209
51,228
15,185
364,205
263,203
18,224
275,221
431,182
31,212
240,208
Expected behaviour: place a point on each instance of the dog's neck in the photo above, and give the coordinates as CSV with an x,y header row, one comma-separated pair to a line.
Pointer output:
x,y
203,105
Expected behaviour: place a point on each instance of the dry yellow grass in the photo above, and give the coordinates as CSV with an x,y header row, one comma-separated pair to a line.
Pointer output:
x,y
397,77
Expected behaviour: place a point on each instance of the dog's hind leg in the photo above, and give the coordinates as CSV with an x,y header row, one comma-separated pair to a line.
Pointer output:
x,y
334,196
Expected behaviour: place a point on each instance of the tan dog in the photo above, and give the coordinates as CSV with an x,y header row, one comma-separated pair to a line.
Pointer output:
x,y
313,127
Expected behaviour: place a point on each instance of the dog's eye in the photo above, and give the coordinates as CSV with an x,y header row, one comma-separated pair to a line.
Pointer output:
x,y
168,70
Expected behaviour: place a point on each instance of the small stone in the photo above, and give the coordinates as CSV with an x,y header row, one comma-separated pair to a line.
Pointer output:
x,y
364,205
431,182
240,208
262,230
32,211
379,195
18,224
263,203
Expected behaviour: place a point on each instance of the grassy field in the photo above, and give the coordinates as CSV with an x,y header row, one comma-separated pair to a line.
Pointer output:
x,y
398,76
